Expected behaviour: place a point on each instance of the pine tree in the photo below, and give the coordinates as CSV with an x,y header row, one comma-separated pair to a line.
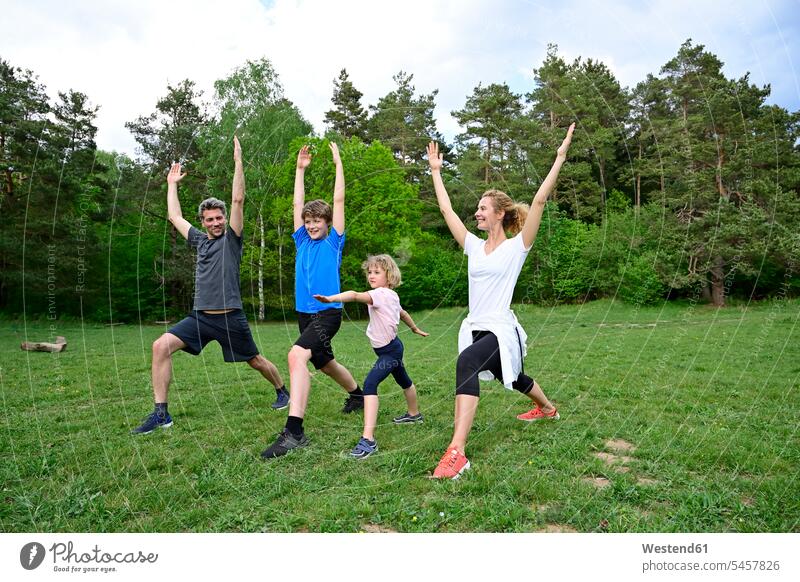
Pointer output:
x,y
588,93
168,135
404,123
347,118
50,194
490,118
730,202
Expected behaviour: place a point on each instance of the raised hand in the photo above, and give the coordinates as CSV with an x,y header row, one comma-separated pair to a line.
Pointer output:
x,y
562,149
434,157
175,175
323,298
237,150
335,151
303,158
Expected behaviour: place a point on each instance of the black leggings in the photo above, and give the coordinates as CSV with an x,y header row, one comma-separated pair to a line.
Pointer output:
x,y
484,354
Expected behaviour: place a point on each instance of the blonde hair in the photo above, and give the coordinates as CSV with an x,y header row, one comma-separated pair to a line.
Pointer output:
x,y
516,212
385,262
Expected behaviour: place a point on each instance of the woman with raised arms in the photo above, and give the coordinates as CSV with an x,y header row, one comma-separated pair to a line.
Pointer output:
x,y
491,342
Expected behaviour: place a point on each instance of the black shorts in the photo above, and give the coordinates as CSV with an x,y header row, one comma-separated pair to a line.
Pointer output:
x,y
316,332
229,329
484,354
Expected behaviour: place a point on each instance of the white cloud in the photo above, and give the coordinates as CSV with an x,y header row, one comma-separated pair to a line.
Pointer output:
x,y
123,54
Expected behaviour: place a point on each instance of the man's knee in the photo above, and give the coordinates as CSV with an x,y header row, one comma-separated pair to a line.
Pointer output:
x,y
162,347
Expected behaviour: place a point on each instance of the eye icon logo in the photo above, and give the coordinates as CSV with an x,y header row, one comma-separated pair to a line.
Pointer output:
x,y
31,555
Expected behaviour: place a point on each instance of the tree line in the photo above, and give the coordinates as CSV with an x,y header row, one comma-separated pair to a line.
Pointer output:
x,y
686,185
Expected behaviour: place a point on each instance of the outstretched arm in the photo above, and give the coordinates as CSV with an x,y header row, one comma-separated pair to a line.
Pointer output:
x,y
534,218
303,160
237,198
173,204
338,191
345,297
457,228
410,323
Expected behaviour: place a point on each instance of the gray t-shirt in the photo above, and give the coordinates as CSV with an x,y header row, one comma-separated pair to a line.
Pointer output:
x,y
216,284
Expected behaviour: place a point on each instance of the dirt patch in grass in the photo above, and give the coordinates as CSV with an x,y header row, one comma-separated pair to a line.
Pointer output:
x,y
612,459
599,482
615,462
375,528
620,446
645,481
557,528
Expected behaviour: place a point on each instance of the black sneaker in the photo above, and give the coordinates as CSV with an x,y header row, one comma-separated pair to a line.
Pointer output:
x,y
285,442
281,400
353,402
152,422
408,418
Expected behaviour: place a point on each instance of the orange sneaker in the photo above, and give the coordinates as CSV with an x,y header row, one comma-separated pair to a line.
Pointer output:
x,y
538,414
451,465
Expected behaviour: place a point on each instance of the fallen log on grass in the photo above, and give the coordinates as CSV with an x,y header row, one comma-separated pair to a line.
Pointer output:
x,y
59,346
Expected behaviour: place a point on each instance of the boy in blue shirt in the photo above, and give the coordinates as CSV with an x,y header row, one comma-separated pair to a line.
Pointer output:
x,y
319,238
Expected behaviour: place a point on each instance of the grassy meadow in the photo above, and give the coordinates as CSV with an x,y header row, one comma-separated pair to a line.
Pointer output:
x,y
674,418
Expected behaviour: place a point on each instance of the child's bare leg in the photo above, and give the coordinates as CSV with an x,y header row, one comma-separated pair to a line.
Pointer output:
x,y
370,416
411,400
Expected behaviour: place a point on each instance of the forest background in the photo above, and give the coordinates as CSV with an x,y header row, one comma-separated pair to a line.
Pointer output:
x,y
685,186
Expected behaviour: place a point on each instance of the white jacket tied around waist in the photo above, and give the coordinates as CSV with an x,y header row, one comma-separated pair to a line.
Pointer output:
x,y
513,348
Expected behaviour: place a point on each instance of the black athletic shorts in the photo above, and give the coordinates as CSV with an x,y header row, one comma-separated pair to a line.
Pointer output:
x,y
229,329
316,332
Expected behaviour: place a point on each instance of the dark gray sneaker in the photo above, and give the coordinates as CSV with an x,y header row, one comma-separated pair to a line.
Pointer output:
x,y
152,422
408,418
285,442
281,400
354,402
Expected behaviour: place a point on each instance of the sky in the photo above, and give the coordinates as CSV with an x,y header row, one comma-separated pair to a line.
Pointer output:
x,y
123,54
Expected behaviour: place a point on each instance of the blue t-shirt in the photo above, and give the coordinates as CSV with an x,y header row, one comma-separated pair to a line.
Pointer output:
x,y
316,269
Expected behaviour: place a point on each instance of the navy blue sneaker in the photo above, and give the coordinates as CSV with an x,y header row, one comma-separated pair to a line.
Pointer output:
x,y
406,418
285,442
153,422
281,399
364,448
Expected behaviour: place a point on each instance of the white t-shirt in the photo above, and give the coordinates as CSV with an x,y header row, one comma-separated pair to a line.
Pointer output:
x,y
384,315
492,278
491,287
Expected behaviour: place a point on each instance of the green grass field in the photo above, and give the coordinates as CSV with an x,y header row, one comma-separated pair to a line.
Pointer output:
x,y
677,418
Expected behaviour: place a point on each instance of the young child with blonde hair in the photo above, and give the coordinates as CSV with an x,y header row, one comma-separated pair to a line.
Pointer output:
x,y
383,305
